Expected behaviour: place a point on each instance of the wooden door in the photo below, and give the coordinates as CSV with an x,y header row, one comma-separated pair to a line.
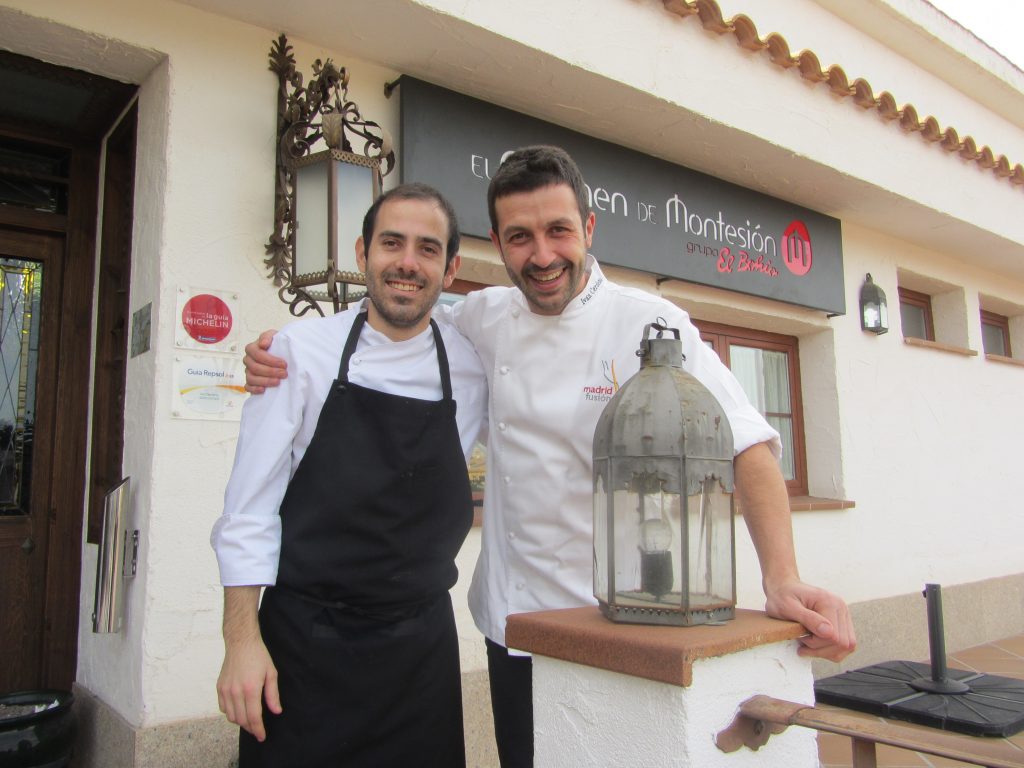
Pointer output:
x,y
31,277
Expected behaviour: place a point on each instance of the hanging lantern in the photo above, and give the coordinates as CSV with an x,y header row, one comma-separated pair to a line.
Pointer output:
x,y
332,191
874,312
664,549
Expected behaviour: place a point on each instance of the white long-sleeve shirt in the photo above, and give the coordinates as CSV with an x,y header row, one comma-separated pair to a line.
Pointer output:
x,y
550,377
278,426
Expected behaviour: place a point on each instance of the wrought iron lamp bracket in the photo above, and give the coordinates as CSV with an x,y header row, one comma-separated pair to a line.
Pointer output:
x,y
307,113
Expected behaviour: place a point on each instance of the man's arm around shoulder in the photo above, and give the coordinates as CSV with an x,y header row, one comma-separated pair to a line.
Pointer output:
x,y
248,675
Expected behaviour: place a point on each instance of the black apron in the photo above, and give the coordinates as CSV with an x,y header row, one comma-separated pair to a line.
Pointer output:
x,y
360,623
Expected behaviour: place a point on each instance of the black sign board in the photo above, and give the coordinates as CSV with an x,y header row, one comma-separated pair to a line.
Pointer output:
x,y
652,215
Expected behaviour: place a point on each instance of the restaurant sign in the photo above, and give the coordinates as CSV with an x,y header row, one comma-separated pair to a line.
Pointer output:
x,y
652,215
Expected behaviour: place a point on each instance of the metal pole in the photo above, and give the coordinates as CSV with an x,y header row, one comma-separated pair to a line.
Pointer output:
x,y
939,681
936,631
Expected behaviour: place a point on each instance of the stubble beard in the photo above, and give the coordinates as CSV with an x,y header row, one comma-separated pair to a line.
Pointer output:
x,y
401,312
545,303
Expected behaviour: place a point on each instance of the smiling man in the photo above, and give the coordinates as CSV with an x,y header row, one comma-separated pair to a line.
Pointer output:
x,y
349,500
563,333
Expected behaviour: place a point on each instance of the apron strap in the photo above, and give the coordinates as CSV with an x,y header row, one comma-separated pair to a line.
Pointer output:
x,y
442,354
442,362
350,346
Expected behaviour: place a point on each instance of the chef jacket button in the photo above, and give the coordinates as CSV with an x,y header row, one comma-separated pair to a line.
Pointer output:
x,y
519,585
502,426
503,369
356,361
507,479
515,313
511,535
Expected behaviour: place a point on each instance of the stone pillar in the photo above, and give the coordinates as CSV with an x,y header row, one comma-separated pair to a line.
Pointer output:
x,y
609,694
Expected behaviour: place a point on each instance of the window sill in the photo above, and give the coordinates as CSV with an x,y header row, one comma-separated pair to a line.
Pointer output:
x,y
1005,360
812,504
818,504
912,342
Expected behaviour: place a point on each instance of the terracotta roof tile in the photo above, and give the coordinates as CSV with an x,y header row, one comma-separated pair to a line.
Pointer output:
x,y
745,32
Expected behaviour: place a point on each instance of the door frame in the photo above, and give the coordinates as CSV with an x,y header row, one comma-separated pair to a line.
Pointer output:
x,y
59,651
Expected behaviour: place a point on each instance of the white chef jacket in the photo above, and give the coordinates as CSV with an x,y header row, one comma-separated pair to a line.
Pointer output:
x,y
278,426
550,377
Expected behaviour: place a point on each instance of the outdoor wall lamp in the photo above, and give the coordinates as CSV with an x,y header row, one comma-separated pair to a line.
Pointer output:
x,y
874,313
664,550
320,198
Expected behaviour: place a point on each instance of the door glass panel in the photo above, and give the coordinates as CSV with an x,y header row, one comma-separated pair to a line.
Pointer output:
x,y
21,284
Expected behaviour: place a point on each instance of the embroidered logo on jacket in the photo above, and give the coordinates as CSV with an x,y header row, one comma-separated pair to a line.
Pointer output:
x,y
603,392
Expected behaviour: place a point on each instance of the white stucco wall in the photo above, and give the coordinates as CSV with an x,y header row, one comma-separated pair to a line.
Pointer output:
x,y
590,717
892,427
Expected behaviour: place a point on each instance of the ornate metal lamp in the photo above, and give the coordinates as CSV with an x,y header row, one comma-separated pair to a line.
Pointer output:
x,y
874,312
320,198
664,549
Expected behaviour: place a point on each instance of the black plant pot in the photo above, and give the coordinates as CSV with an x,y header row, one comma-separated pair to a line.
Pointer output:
x,y
36,739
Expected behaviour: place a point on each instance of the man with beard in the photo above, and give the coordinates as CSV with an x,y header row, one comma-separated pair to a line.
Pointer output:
x,y
563,328
349,500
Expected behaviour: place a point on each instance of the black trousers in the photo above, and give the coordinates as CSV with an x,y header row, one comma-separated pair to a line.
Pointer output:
x,y
512,705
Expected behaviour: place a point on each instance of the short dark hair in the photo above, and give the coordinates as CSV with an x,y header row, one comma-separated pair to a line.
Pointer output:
x,y
415,191
530,168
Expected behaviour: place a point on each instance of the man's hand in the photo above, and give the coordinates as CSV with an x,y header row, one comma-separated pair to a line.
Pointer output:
x,y
248,675
824,615
262,369
761,493
246,678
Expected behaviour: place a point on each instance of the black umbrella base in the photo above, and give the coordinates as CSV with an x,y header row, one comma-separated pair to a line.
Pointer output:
x,y
993,706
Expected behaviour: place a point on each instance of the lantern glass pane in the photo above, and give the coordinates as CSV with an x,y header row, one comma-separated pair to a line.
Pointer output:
x,y
311,246
355,195
647,550
872,317
600,531
710,547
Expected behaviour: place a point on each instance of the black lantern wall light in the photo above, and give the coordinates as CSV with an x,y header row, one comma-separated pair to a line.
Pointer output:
x,y
320,198
874,312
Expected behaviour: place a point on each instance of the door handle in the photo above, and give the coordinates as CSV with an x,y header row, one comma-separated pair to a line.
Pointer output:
x,y
28,545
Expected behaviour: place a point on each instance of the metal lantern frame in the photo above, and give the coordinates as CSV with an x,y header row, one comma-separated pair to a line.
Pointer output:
x,y
664,431
306,114
335,281
874,311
